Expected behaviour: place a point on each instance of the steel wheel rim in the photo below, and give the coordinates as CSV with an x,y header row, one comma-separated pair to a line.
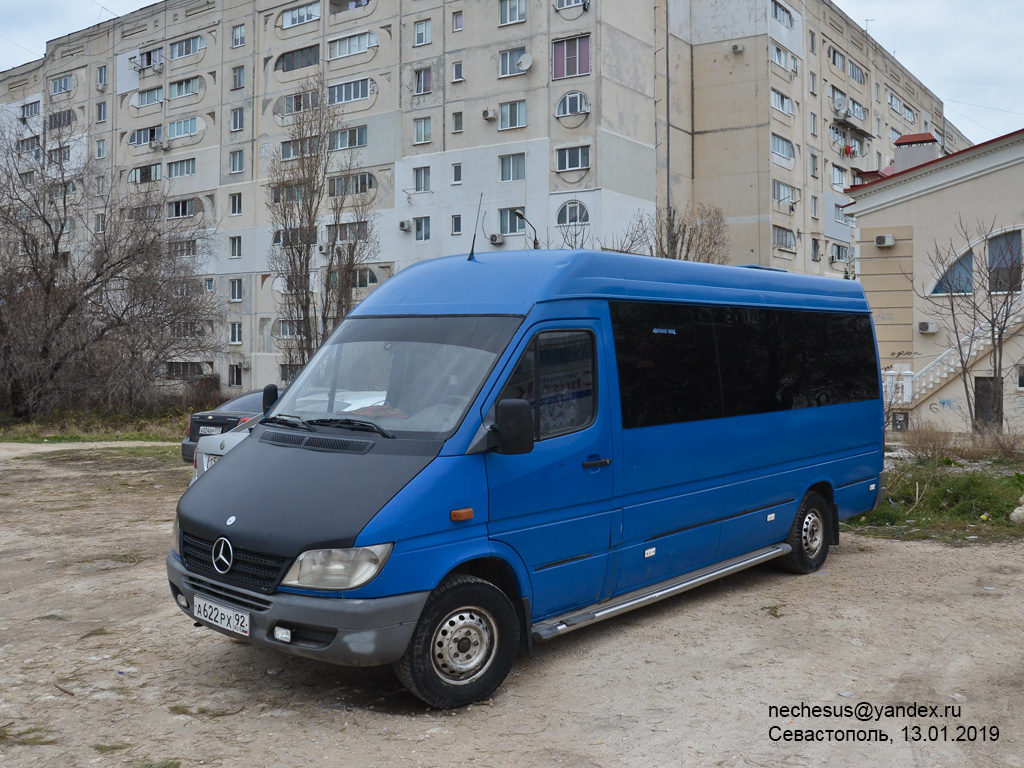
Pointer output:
x,y
812,535
463,645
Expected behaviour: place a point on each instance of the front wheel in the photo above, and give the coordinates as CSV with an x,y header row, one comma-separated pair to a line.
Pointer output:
x,y
463,646
808,536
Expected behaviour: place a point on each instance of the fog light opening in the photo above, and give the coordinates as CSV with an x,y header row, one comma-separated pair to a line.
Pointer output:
x,y
182,601
283,634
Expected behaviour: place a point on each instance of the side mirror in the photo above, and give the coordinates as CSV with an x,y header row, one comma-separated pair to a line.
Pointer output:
x,y
269,396
513,421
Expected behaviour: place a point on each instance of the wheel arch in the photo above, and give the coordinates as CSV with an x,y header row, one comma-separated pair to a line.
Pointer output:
x,y
499,572
827,491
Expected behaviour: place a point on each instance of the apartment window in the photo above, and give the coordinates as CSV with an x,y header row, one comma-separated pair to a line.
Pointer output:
x,y
837,58
456,122
299,148
456,224
780,56
63,119
878,161
237,159
509,223
235,203
235,289
101,223
782,192
353,230
572,158
180,209
857,73
422,226
180,88
512,11
838,177
101,148
856,109
814,124
814,165
29,110
456,21
188,47
151,96
303,57
815,249
571,57
59,155
178,128
151,58
814,207
210,284
101,75
457,72
841,217
572,213
421,130
512,114
234,375
301,15
513,167
237,119
235,242
180,168
783,238
299,102
894,135
238,36
235,333
100,185
811,42
568,4
878,91
456,173
421,179
508,62
782,102
895,103
348,138
178,370
343,93
421,30
878,125
782,147
351,45
237,77
782,15
61,85
814,83
908,115
353,184
422,81
573,103
144,174
142,136
840,252
836,135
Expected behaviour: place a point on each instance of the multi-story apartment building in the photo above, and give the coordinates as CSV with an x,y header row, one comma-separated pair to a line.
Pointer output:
x,y
576,114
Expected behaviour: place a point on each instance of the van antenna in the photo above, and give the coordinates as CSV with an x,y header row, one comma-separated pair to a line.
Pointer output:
x,y
472,245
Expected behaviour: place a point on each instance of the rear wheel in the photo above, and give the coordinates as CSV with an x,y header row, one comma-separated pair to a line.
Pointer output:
x,y
463,646
808,536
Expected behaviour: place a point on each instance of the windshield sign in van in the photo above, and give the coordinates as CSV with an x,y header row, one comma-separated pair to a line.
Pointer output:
x,y
494,451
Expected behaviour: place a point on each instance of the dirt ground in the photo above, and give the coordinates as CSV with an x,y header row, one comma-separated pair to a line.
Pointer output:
x,y
99,667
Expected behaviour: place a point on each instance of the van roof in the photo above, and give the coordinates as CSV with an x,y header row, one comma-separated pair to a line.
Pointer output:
x,y
512,282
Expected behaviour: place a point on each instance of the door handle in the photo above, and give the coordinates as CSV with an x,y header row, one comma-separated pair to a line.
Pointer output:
x,y
596,463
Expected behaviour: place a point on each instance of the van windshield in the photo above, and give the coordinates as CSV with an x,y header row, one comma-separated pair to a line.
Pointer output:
x,y
409,376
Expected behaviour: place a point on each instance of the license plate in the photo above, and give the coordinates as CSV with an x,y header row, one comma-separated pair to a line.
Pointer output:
x,y
209,430
225,618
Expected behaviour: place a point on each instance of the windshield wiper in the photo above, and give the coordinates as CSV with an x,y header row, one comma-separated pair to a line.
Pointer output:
x,y
287,420
367,426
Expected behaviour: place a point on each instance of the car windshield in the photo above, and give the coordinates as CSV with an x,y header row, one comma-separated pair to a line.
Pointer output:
x,y
400,376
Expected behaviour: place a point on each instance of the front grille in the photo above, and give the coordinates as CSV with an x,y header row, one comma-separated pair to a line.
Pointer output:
x,y
250,570
224,594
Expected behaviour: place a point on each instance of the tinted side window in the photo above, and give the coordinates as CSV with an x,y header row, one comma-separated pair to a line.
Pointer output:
x,y
556,375
668,371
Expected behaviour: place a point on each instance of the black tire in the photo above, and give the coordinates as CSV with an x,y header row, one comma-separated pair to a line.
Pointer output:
x,y
809,536
464,644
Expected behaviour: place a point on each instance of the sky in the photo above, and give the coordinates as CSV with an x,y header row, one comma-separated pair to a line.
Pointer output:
x,y
966,53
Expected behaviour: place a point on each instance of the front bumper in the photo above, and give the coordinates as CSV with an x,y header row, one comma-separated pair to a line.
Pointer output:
x,y
350,632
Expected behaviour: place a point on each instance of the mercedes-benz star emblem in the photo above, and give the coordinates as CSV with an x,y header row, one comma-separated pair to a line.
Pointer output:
x,y
223,555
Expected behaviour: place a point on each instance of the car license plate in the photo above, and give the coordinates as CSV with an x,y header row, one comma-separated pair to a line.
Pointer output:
x,y
211,430
225,618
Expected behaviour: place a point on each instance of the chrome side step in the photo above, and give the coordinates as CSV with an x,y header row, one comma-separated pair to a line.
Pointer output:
x,y
567,622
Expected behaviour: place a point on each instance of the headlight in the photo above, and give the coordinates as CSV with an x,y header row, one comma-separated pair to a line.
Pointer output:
x,y
175,535
337,568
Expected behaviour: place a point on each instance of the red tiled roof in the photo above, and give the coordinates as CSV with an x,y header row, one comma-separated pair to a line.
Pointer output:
x,y
915,138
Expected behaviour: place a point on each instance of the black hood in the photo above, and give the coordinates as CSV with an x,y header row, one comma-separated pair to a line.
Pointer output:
x,y
286,499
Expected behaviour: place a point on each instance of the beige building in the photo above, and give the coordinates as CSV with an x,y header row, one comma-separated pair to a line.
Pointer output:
x,y
576,113
946,233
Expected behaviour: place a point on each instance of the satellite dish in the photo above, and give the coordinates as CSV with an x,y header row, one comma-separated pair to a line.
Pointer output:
x,y
525,62
840,103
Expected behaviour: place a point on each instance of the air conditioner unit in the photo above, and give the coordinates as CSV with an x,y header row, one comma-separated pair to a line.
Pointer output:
x,y
497,238
158,67
155,144
884,241
737,47
101,87
927,326
322,248
490,114
165,145
405,225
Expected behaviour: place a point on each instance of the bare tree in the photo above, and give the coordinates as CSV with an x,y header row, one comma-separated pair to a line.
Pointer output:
x,y
306,183
98,289
975,301
697,233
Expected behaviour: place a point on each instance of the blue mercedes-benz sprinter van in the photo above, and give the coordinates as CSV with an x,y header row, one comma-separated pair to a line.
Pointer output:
x,y
494,451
